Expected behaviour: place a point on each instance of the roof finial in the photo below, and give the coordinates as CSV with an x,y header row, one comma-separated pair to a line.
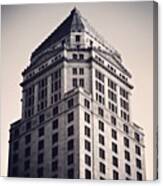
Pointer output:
x,y
75,10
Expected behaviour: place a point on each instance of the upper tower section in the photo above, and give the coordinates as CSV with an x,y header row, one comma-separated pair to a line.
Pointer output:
x,y
74,32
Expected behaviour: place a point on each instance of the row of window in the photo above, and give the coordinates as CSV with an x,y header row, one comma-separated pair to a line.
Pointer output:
x,y
76,71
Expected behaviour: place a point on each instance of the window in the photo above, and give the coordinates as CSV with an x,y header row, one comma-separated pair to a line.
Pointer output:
x,y
70,117
70,103
40,144
15,171
102,168
81,82
126,142
101,125
41,118
28,126
115,161
74,71
70,173
138,163
127,155
26,165
55,165
74,82
55,124
15,158
77,38
54,151
87,174
70,145
138,150
55,138
87,131
112,85
101,139
81,57
27,139
100,111
101,153
74,56
55,111
113,120
70,159
27,151
81,70
41,131
139,176
87,145
114,147
15,145
87,160
70,130
115,175
137,136
114,134
87,117
16,133
86,103
125,128
40,158
127,169
40,172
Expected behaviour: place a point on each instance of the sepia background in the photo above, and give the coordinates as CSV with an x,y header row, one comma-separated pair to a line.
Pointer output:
x,y
126,26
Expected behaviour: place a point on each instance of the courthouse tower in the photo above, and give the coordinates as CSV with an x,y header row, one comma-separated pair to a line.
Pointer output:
x,y
76,113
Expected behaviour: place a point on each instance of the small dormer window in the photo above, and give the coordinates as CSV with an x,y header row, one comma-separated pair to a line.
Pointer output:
x,y
77,38
74,56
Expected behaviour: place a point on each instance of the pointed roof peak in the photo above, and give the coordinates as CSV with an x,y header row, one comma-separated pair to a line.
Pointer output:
x,y
75,11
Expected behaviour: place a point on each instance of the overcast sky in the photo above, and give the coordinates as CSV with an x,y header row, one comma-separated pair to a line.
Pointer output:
x,y
126,26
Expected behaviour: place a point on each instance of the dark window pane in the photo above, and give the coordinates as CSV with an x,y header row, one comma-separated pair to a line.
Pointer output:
x,y
70,103
40,144
115,161
70,117
27,139
70,130
55,124
54,151
101,125
40,158
41,131
55,138
102,153
114,134
71,173
87,145
114,148
70,159
55,165
102,168
115,175
87,174
87,131
70,145
40,172
87,160
101,139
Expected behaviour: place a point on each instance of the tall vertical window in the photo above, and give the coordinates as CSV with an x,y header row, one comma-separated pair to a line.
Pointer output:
x,y
102,168
77,38
87,174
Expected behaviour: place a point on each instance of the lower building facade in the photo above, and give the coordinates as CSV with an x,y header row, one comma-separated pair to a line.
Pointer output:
x,y
78,138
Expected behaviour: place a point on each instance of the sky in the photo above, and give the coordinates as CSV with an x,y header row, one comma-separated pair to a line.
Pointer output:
x,y
128,27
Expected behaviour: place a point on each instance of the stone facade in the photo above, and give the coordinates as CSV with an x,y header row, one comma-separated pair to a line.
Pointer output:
x,y
76,113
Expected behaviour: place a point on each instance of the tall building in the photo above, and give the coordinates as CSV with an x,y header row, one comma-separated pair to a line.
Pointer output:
x,y
76,113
